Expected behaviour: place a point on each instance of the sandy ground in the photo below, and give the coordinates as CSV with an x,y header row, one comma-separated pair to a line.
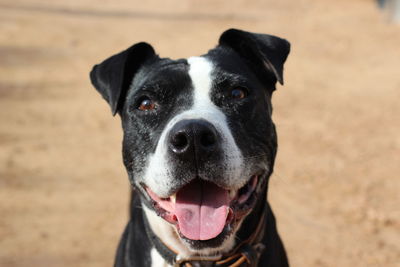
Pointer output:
x,y
63,188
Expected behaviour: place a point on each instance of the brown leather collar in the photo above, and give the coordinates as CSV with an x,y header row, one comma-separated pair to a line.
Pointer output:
x,y
246,253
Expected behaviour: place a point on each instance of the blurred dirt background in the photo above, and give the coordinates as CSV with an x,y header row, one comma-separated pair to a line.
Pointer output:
x,y
64,191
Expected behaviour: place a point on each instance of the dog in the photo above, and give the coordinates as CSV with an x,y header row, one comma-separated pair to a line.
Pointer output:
x,y
199,147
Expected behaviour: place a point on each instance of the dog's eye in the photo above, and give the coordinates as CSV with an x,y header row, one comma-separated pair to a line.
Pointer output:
x,y
239,93
146,104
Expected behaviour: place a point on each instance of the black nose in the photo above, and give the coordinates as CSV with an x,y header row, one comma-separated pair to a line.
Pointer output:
x,y
191,137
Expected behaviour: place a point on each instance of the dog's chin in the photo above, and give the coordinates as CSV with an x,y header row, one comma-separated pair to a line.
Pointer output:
x,y
238,204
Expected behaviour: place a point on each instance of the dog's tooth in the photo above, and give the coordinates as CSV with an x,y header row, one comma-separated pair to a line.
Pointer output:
x,y
173,198
232,194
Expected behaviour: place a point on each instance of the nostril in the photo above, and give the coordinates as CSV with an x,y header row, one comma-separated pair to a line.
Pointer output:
x,y
179,141
207,139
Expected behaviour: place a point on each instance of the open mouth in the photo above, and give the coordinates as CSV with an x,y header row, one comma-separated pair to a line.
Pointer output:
x,y
201,210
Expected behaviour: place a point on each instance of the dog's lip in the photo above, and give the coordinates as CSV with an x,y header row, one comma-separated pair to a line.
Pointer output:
x,y
237,197
240,201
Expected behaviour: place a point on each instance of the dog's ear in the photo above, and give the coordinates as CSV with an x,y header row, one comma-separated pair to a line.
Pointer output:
x,y
114,75
264,53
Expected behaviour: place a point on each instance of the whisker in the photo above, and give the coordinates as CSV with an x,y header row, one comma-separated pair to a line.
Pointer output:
x,y
138,207
256,156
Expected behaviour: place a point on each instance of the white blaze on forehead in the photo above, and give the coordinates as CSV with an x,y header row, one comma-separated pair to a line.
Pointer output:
x,y
200,72
158,174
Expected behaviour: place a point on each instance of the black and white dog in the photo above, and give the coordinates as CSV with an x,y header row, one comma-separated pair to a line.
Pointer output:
x,y
199,147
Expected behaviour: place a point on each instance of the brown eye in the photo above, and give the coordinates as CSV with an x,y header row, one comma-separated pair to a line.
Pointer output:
x,y
146,104
238,93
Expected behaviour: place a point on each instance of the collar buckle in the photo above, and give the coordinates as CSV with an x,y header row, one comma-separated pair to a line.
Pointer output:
x,y
180,261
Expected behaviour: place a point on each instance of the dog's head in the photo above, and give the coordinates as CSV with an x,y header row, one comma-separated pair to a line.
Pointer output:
x,y
199,142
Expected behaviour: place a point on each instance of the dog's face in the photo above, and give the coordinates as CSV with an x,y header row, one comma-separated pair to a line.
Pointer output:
x,y
199,142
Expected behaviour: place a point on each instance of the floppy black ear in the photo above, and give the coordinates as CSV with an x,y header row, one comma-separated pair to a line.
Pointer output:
x,y
262,51
113,76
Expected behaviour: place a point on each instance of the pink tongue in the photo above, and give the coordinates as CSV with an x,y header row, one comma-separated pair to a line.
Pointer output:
x,y
201,208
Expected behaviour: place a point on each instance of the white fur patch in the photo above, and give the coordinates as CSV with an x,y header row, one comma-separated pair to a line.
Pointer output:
x,y
157,260
200,72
